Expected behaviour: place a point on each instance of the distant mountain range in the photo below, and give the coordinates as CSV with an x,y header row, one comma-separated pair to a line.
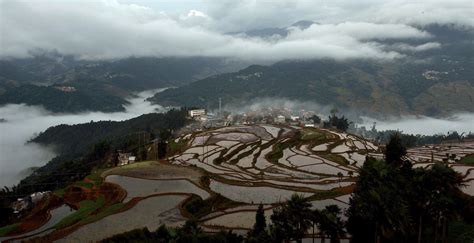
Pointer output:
x,y
434,82
270,32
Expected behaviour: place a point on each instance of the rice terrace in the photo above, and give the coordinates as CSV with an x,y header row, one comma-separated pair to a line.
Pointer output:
x,y
220,176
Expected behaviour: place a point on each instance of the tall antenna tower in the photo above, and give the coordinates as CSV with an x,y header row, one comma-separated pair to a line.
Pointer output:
x,y
220,106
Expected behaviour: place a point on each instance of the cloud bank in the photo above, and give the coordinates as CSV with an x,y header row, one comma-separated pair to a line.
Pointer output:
x,y
108,29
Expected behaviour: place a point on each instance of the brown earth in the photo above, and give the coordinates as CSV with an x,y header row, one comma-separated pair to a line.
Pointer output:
x,y
38,216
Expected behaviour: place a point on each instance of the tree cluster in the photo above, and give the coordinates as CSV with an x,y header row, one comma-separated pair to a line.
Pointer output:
x,y
189,233
292,220
341,123
393,202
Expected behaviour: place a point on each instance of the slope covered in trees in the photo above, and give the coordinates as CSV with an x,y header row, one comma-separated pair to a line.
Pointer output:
x,y
100,85
387,88
55,100
73,139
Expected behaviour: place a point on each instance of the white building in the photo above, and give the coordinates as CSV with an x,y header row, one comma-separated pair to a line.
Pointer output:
x,y
126,158
38,196
295,118
197,112
280,119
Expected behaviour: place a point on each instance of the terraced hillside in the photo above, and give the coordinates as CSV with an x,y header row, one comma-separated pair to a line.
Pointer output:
x,y
267,164
220,177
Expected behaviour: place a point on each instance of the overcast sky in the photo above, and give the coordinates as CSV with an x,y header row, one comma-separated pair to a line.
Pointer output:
x,y
109,29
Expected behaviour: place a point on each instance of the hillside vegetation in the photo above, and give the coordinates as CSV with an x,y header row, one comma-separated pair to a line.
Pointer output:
x,y
75,139
99,85
56,100
391,88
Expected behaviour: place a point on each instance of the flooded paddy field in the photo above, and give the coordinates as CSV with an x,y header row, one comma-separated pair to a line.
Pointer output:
x,y
151,213
248,166
266,156
243,219
56,215
137,187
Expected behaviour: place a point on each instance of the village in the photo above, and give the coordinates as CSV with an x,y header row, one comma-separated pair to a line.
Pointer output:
x,y
268,115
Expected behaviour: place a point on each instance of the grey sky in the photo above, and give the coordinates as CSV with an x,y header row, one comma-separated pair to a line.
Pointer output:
x,y
109,29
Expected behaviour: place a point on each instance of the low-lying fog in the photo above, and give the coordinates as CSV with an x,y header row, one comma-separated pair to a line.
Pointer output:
x,y
463,122
23,122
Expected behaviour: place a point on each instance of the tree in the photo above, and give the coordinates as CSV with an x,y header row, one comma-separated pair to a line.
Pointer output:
x,y
398,203
315,118
395,150
188,233
350,173
260,223
330,223
340,175
341,123
444,197
378,208
162,234
315,218
291,220
191,228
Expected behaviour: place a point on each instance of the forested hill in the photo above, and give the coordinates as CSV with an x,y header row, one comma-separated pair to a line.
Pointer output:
x,y
76,139
100,85
392,88
56,100
135,73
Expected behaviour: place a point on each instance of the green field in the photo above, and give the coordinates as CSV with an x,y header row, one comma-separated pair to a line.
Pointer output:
x,y
86,208
468,159
7,229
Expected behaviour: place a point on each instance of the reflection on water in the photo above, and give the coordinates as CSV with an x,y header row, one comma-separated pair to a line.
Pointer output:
x,y
56,215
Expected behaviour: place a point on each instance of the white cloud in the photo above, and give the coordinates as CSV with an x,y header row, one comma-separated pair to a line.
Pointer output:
x,y
424,12
418,48
108,29
425,125
360,31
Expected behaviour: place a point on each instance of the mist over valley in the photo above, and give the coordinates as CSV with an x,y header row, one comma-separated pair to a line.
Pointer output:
x,y
23,123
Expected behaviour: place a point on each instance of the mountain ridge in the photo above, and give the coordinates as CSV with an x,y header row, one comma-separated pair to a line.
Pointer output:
x,y
389,88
